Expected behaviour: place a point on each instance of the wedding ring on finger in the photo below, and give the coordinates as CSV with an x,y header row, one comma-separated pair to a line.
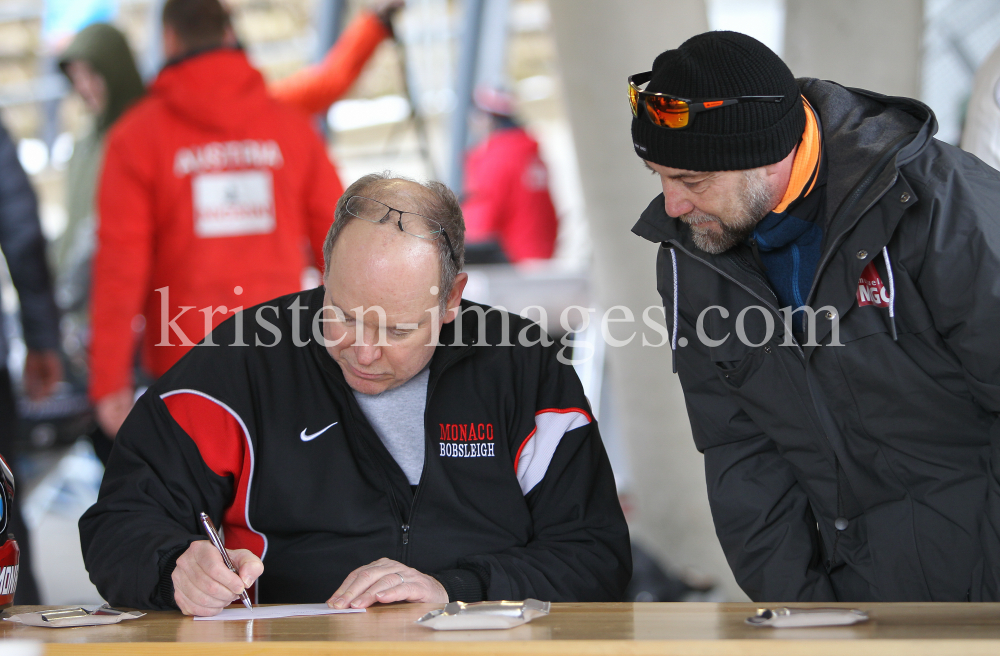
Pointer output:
x,y
401,579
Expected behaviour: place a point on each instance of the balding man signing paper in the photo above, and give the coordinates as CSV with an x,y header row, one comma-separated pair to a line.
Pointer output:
x,y
359,445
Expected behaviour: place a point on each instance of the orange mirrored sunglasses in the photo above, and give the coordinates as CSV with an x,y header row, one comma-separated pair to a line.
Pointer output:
x,y
672,112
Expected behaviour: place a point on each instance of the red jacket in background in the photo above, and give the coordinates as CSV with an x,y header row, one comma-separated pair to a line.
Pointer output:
x,y
507,196
212,189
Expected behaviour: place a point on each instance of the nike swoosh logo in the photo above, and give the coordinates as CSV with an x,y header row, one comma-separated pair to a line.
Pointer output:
x,y
307,438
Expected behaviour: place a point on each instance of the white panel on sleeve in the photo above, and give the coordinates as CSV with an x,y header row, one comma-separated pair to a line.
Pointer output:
x,y
535,455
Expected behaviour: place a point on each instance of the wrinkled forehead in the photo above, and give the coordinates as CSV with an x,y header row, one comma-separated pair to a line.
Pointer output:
x,y
377,264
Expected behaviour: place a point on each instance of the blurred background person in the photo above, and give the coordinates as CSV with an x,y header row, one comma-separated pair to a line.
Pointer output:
x,y
981,134
23,247
509,215
103,71
209,191
100,66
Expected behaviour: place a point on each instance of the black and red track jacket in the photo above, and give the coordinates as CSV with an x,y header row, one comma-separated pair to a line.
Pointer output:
x,y
517,498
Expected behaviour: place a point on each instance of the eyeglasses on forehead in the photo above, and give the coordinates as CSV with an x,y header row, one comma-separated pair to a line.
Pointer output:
x,y
416,225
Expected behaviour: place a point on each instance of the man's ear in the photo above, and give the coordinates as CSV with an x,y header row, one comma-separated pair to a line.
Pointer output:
x,y
229,39
455,298
172,45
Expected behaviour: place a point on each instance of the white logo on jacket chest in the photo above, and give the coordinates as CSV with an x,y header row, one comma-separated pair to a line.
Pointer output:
x,y
308,438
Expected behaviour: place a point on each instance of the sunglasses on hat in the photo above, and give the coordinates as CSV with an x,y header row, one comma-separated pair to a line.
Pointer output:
x,y
673,112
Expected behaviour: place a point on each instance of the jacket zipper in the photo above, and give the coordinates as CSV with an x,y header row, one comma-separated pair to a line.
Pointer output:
x,y
869,180
393,502
742,264
408,520
744,288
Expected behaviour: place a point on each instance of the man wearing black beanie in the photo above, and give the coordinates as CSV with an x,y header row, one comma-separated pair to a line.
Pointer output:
x,y
830,273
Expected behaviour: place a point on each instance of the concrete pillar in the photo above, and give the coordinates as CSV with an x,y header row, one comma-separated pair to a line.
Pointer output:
x,y
328,17
491,70
152,55
858,43
472,25
599,45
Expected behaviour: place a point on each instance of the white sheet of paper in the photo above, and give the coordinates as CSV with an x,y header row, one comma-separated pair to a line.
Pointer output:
x,y
272,612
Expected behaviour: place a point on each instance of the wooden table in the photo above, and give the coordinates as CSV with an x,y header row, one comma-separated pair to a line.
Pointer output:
x,y
571,629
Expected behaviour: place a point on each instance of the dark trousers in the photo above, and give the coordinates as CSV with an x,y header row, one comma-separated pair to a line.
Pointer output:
x,y
27,588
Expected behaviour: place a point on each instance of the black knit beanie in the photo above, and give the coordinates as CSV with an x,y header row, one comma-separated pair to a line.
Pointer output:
x,y
743,136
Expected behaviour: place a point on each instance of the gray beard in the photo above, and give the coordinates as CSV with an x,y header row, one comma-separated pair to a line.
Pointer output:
x,y
756,204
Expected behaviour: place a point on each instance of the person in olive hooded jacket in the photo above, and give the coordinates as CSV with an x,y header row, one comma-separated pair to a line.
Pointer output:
x,y
100,65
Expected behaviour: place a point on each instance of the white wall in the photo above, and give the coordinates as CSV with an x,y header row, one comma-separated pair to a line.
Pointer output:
x,y
600,44
858,43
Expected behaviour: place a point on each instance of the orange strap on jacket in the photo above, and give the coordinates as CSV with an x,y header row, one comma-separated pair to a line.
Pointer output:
x,y
315,88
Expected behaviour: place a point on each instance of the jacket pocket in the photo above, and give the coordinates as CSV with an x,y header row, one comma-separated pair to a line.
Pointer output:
x,y
736,374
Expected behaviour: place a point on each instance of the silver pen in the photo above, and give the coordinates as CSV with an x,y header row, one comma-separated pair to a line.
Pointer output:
x,y
213,535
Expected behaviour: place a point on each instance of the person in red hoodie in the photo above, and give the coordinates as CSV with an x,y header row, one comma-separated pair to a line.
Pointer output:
x,y
506,201
213,196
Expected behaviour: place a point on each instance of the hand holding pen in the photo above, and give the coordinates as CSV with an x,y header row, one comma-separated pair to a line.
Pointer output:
x,y
204,584
213,536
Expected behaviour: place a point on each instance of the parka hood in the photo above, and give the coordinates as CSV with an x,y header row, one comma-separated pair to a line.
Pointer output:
x,y
860,127
203,89
105,48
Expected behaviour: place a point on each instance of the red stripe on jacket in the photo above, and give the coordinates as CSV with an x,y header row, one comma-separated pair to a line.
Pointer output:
x,y
225,447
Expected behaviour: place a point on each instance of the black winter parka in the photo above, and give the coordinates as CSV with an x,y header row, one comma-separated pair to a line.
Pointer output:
x,y
868,470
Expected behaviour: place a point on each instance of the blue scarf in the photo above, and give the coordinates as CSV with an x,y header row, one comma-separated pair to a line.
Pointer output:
x,y
789,245
788,242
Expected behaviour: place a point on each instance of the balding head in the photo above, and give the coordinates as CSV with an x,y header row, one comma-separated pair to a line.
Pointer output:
x,y
384,267
432,200
385,298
